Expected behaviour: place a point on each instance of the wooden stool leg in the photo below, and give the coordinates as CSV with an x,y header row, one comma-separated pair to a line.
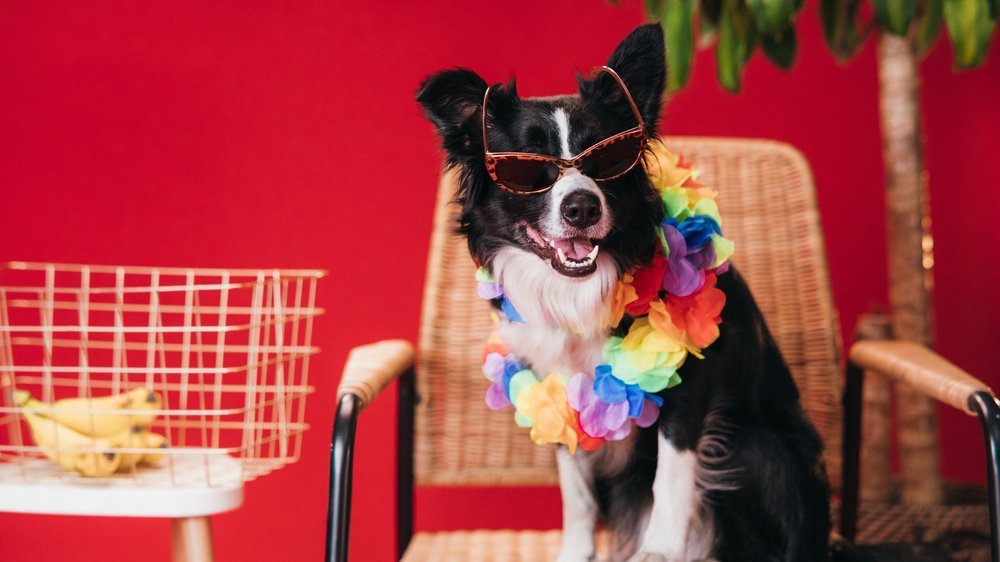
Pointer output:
x,y
192,539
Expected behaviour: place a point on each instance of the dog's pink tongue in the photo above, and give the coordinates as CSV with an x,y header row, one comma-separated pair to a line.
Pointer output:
x,y
575,248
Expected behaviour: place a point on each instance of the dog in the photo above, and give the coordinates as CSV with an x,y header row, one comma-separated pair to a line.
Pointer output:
x,y
732,469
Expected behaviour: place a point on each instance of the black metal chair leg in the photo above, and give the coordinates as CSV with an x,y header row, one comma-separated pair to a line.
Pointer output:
x,y
404,463
851,456
338,517
989,415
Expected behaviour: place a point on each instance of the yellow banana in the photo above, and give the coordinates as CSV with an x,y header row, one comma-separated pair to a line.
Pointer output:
x,y
154,441
54,440
79,413
137,437
129,438
149,402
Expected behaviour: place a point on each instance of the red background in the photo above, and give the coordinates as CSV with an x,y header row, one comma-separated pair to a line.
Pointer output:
x,y
194,133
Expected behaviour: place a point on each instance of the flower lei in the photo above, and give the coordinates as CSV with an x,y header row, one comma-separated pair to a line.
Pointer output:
x,y
675,309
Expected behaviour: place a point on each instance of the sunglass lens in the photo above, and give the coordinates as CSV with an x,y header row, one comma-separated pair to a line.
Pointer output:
x,y
613,159
526,175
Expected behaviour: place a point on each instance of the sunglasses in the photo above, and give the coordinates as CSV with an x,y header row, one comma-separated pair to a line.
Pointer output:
x,y
526,173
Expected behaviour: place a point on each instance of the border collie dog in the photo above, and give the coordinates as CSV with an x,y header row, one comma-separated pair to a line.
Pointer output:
x,y
732,469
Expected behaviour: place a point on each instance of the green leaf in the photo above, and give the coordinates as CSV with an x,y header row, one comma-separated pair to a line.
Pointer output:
x,y
895,15
735,44
772,16
840,29
781,48
678,36
929,26
995,10
653,9
970,28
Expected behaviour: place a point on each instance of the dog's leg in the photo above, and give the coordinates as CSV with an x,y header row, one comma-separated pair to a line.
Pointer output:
x,y
576,484
675,506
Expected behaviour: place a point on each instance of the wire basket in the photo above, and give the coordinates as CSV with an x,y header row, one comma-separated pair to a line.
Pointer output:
x,y
188,377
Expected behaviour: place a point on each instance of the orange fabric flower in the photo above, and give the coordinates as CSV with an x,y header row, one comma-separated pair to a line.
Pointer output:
x,y
698,314
624,294
495,344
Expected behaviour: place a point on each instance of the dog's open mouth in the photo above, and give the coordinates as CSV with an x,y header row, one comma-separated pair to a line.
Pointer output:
x,y
573,257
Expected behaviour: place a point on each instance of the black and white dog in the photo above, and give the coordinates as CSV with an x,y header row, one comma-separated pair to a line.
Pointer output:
x,y
733,469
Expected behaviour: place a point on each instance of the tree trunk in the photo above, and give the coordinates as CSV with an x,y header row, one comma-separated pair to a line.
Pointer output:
x,y
909,257
876,487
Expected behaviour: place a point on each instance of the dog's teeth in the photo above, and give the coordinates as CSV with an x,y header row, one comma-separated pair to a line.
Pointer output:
x,y
561,254
593,253
552,243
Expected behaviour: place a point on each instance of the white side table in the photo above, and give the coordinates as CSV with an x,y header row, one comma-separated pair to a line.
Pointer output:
x,y
180,492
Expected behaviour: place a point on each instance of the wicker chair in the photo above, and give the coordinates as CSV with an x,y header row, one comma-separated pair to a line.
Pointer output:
x,y
785,265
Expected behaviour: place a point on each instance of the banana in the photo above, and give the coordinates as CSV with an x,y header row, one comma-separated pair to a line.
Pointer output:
x,y
144,400
154,441
137,437
79,414
129,438
54,438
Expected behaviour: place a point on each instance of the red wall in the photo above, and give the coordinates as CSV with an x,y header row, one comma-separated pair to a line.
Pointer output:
x,y
198,133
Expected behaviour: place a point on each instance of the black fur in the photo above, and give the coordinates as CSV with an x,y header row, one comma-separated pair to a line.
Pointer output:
x,y
744,392
453,100
766,493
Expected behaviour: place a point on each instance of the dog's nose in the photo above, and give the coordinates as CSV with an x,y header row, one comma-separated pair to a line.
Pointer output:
x,y
581,209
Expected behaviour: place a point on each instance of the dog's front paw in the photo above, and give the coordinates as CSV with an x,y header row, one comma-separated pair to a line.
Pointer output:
x,y
648,557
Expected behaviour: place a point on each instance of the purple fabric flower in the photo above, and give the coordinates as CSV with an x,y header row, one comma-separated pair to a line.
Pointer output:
x,y
493,366
598,418
500,369
489,291
606,404
650,413
496,396
691,252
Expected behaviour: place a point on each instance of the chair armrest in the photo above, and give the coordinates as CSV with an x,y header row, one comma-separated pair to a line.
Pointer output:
x,y
934,376
921,368
370,368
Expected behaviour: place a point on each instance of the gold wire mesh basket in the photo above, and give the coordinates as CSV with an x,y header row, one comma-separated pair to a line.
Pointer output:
x,y
156,376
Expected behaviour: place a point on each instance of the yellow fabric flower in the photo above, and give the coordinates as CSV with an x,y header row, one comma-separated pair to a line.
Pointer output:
x,y
553,421
646,357
662,167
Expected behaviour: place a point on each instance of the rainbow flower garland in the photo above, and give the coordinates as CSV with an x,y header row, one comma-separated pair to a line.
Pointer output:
x,y
675,309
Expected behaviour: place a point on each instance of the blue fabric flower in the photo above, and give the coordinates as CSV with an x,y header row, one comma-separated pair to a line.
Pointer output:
x,y
508,309
613,390
698,231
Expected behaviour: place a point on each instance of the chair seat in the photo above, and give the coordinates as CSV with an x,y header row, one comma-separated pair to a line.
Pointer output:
x,y
183,490
492,546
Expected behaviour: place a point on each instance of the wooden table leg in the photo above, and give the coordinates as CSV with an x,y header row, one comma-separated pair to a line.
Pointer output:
x,y
192,539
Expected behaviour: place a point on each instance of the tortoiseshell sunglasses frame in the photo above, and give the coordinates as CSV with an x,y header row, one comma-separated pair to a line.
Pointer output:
x,y
492,158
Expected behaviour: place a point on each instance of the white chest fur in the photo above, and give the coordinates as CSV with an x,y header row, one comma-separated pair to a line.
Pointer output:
x,y
565,318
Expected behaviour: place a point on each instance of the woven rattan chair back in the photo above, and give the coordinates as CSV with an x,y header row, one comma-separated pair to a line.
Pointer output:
x,y
767,197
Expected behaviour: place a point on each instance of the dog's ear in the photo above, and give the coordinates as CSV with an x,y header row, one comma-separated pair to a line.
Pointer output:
x,y
640,60
452,100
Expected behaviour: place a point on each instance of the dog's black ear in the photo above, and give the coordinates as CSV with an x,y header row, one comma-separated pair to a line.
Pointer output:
x,y
452,100
640,60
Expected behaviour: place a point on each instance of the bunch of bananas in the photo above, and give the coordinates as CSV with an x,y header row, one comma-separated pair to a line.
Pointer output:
x,y
85,435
